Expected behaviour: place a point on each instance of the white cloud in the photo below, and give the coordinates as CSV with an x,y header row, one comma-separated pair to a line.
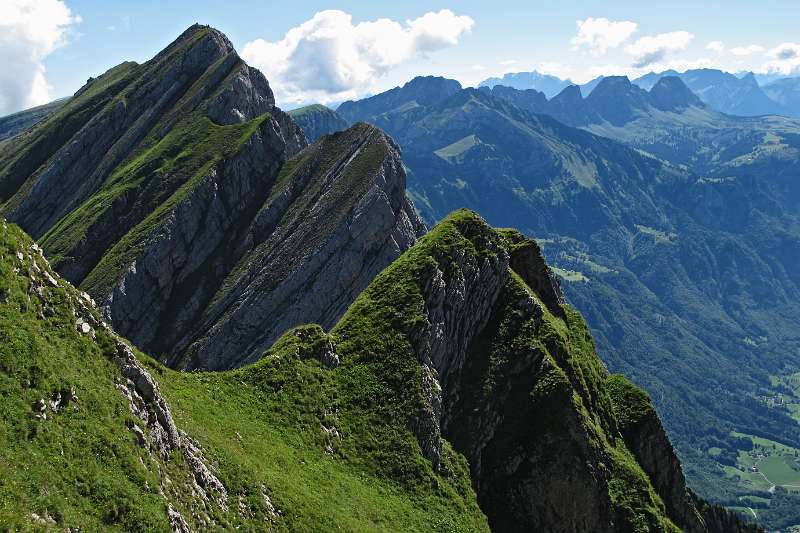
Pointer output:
x,y
598,35
30,30
509,62
716,46
478,67
654,48
785,59
328,58
742,51
555,69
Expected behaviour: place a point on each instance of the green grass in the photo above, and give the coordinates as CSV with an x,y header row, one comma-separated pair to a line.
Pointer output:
x,y
781,470
309,109
80,466
263,425
457,148
570,275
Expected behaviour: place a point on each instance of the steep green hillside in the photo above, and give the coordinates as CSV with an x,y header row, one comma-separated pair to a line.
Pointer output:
x,y
361,428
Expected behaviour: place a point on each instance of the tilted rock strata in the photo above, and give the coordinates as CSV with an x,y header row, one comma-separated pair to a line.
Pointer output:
x,y
183,201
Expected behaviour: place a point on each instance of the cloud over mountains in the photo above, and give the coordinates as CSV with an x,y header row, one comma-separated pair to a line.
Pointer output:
x,y
30,30
329,58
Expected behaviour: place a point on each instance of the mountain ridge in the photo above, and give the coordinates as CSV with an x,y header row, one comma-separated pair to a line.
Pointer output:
x,y
156,221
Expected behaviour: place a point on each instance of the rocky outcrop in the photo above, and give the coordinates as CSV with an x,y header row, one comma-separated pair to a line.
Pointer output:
x,y
341,217
317,120
179,196
508,375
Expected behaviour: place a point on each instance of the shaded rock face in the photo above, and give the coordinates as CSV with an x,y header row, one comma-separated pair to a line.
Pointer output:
x,y
310,250
317,121
179,196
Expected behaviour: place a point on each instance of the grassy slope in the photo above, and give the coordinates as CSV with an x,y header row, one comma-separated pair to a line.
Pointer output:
x,y
80,466
329,446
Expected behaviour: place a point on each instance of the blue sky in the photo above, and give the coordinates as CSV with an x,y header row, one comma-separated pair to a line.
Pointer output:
x,y
470,41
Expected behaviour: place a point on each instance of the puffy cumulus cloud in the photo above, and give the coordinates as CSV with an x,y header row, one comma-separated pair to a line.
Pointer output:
x,y
654,48
598,35
328,58
30,30
785,59
743,51
716,46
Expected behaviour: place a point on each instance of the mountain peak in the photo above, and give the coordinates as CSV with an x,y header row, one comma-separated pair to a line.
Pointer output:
x,y
670,93
427,90
214,41
571,93
612,83
616,99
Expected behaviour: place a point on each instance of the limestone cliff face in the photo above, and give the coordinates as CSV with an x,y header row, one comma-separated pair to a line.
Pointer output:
x,y
339,219
181,198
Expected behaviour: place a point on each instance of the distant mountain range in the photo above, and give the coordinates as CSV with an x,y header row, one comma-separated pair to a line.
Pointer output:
x,y
732,94
669,121
546,83
723,91
18,122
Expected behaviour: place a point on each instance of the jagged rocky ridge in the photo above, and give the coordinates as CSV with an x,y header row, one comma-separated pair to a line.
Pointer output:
x,y
181,199
510,378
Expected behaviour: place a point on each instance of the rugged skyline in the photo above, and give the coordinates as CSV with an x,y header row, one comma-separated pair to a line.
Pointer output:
x,y
314,55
